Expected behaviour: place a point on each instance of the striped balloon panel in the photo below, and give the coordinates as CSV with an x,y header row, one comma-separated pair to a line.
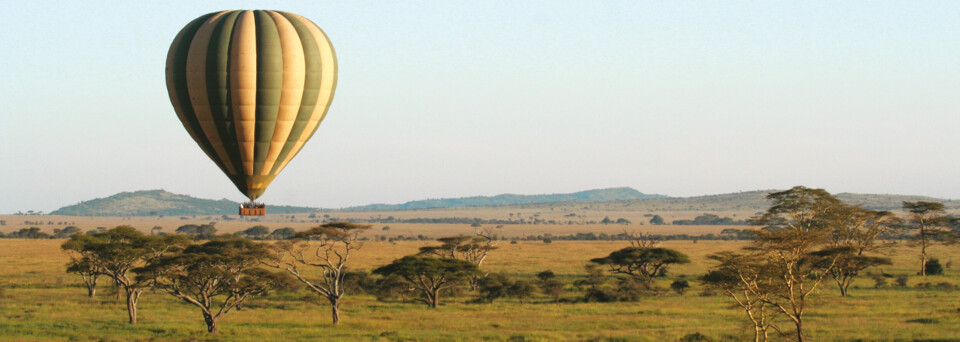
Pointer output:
x,y
251,87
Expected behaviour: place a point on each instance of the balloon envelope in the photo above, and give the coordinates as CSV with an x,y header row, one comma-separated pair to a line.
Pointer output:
x,y
251,87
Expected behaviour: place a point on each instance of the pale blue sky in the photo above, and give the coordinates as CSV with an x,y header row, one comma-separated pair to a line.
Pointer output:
x,y
460,98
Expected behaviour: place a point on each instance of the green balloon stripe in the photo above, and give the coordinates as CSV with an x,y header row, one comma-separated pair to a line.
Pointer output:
x,y
269,86
331,69
218,88
180,90
311,88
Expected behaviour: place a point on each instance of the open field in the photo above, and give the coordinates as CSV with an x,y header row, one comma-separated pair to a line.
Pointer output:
x,y
302,222
39,302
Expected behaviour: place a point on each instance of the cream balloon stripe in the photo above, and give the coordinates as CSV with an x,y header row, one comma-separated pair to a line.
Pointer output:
x,y
327,64
176,86
251,87
218,89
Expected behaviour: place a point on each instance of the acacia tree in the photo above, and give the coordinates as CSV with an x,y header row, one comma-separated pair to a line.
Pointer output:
x,y
326,247
855,233
750,282
642,262
641,239
796,225
473,249
116,252
201,232
928,219
88,271
430,275
550,285
258,232
218,268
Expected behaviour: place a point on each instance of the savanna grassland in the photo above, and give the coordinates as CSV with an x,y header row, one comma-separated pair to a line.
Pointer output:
x,y
40,302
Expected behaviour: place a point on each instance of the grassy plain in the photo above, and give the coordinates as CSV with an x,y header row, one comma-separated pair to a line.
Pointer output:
x,y
303,222
39,302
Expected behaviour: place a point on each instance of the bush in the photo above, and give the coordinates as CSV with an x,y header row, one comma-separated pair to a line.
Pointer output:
x,y
494,286
878,280
944,286
902,280
631,289
933,267
679,286
601,295
695,337
521,289
390,287
359,282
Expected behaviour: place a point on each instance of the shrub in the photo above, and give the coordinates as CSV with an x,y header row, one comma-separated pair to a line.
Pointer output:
x,y
359,282
521,289
494,286
924,320
695,337
631,289
902,280
600,294
390,287
680,286
933,267
878,280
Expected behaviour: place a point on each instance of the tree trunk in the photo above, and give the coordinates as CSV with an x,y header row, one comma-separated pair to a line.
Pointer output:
x,y
756,333
923,260
799,324
91,283
434,298
132,297
335,310
211,323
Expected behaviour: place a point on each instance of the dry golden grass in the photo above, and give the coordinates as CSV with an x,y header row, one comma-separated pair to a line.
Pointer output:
x,y
170,224
40,302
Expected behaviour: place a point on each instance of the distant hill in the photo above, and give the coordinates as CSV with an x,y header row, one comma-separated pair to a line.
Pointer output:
x,y
160,202
738,201
599,195
756,200
892,202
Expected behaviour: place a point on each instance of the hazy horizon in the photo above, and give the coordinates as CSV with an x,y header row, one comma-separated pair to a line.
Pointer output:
x,y
459,99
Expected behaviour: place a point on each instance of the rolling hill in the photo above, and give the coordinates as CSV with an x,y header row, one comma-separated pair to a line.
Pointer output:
x,y
160,202
599,195
754,201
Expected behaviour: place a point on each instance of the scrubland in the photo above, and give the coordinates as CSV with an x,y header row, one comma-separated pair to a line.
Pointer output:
x,y
40,302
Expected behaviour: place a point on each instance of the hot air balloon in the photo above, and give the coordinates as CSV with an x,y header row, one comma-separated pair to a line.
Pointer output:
x,y
251,87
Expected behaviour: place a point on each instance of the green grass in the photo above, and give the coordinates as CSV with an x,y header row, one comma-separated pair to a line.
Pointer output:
x,y
39,302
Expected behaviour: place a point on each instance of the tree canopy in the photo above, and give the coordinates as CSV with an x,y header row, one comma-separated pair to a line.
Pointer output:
x,y
219,268
429,275
643,262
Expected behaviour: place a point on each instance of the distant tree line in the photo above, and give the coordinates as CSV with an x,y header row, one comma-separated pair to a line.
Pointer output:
x,y
711,220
